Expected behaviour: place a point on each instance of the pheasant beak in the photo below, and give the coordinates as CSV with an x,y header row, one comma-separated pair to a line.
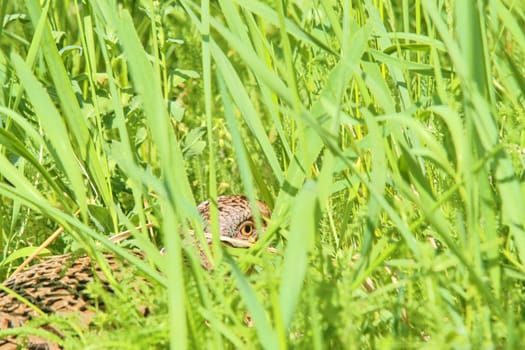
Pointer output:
x,y
237,243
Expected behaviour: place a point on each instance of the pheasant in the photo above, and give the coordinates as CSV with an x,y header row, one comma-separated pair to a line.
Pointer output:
x,y
58,285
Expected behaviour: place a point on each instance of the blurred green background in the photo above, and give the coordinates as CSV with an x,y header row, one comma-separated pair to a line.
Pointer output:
x,y
386,136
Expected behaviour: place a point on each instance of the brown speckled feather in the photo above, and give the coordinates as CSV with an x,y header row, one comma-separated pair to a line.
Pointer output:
x,y
57,285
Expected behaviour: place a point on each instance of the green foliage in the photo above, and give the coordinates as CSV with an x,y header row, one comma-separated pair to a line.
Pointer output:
x,y
385,135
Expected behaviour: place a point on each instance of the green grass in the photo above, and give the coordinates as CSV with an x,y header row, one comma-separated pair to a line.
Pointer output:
x,y
386,136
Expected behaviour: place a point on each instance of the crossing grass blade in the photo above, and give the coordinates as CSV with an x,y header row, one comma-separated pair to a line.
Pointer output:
x,y
267,336
76,127
54,127
305,213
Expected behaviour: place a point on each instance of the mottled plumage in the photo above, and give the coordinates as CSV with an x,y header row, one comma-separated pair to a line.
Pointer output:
x,y
57,285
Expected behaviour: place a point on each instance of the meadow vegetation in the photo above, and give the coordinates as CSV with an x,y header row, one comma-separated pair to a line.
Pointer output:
x,y
387,136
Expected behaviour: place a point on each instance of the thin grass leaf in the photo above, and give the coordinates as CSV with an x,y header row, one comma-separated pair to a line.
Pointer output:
x,y
55,129
76,126
266,333
305,216
171,160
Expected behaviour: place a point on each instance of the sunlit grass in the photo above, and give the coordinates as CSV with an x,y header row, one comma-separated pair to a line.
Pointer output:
x,y
385,135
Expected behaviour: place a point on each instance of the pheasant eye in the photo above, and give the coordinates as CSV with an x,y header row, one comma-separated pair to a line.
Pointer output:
x,y
247,229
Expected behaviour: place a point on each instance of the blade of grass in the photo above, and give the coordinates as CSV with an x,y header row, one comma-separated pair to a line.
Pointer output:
x,y
54,128
176,187
266,333
76,126
305,216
